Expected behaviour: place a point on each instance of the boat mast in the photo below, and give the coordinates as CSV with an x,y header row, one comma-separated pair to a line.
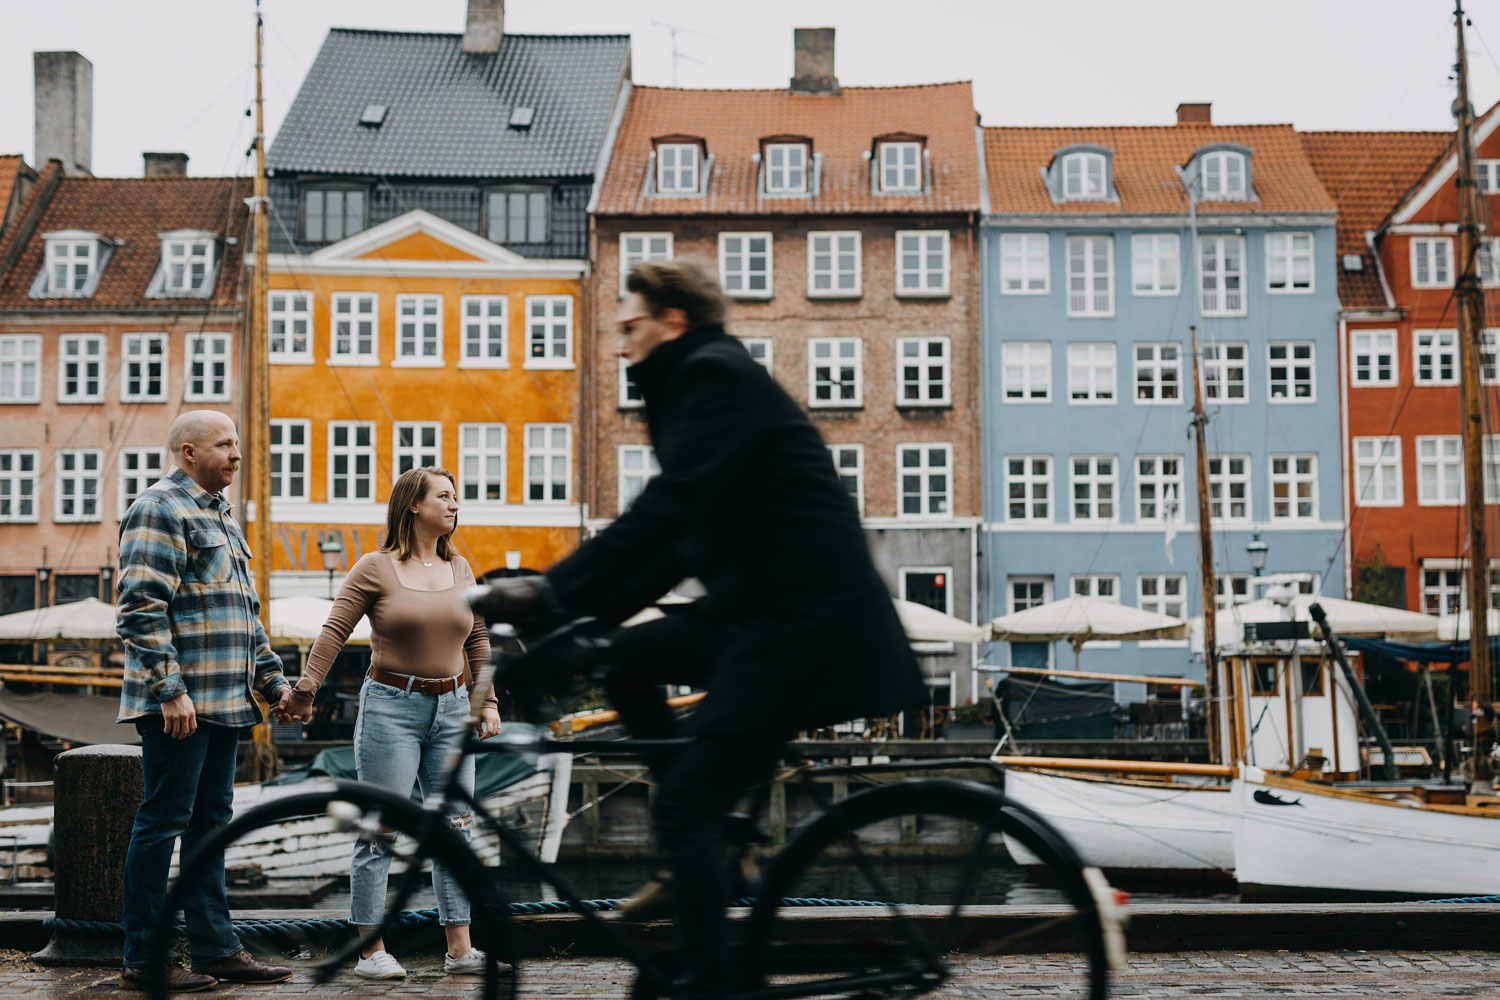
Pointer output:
x,y
1206,557
1470,328
260,366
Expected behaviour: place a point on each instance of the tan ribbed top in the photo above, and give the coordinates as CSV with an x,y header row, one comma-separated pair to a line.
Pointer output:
x,y
424,633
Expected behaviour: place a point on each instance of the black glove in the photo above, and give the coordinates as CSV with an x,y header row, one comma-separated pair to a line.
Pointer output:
x,y
527,602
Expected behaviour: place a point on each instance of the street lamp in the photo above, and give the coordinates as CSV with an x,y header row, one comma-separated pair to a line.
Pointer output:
x,y
330,546
1257,551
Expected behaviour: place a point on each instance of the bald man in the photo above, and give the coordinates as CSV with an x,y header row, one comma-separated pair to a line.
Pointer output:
x,y
194,650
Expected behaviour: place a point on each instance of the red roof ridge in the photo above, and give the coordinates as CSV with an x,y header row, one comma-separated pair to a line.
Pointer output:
x,y
1194,126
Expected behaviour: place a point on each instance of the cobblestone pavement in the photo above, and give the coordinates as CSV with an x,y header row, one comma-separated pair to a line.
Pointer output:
x,y
1228,975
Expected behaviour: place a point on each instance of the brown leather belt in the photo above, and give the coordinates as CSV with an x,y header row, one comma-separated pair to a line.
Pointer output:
x,y
421,685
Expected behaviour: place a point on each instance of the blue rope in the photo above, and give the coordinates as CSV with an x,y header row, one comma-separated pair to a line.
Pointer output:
x,y
1460,899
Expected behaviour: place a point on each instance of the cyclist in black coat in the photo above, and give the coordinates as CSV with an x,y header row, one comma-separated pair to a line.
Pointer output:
x,y
797,630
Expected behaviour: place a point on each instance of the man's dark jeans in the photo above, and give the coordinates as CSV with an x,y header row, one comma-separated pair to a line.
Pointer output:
x,y
189,793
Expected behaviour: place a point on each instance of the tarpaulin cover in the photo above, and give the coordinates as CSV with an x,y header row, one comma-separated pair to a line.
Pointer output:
x,y
77,718
1419,652
1046,709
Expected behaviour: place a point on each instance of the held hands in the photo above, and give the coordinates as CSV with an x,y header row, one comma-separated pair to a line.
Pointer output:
x,y
293,706
489,722
179,719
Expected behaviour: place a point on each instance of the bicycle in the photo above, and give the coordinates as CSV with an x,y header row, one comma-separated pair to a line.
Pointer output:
x,y
854,848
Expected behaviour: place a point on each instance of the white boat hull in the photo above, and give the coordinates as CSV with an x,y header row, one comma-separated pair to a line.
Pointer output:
x,y
1320,843
1142,830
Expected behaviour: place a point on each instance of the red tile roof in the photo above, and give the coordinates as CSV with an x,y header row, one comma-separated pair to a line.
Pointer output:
x,y
842,130
1143,160
10,168
1369,174
132,212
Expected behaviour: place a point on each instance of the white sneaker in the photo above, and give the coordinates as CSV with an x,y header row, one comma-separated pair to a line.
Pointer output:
x,y
471,964
381,965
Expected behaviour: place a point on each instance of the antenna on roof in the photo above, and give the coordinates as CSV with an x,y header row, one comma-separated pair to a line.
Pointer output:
x,y
678,54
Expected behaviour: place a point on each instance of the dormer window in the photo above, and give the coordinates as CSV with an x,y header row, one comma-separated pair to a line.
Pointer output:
x,y
71,265
1223,174
786,167
899,160
679,166
189,265
1085,177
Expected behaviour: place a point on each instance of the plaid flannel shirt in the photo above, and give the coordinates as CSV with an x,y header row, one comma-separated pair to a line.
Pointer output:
x,y
188,612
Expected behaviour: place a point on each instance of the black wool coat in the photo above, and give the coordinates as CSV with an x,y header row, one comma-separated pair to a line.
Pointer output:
x,y
748,502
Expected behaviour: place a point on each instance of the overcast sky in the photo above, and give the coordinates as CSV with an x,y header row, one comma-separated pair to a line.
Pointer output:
x,y
176,75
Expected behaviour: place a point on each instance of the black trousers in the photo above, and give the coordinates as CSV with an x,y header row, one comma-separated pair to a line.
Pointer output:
x,y
697,784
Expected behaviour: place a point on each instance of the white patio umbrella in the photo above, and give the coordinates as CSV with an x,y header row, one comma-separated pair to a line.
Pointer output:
x,y
918,621
89,622
1345,617
1077,620
1456,625
298,621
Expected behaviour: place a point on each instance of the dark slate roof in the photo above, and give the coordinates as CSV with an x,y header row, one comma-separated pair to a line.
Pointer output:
x,y
448,112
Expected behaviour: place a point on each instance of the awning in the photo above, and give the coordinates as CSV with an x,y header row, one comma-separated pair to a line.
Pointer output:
x,y
77,718
1419,652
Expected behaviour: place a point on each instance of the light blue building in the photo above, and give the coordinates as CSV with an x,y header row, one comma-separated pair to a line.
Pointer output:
x,y
1102,247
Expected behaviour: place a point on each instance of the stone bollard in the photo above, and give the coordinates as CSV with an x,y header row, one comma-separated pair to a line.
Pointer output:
x,y
96,792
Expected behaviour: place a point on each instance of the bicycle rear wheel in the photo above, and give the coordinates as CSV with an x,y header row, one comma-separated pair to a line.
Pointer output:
x,y
929,854
298,846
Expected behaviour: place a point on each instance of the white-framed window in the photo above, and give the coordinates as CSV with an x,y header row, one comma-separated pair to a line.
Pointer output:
x,y
355,334
290,458
485,327
1091,277
481,463
1096,487
1229,487
636,247
1104,586
1442,590
549,461
1294,487
419,331
1164,593
929,586
332,212
637,465
1488,262
1224,372
924,479
79,484
786,168
1028,487
187,265
517,215
1158,487
1231,589
143,371
1289,263
1431,261
745,265
351,460
1091,374
834,366
1434,357
1222,275
1158,373
70,265
1022,592
1487,172
18,485
139,468
1372,355
1489,357
1440,470
834,265
1025,264
900,167
1377,472
1156,264
1490,467
1291,371
849,465
80,368
1026,371
206,364
762,352
921,262
677,168
923,371
630,396
1085,177
415,446
289,327
1223,175
549,331
20,368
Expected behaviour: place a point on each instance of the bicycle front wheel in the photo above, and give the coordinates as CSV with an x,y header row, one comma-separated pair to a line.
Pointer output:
x,y
287,852
890,890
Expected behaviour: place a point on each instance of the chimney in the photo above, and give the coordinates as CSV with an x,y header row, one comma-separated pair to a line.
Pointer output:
x,y
165,164
64,110
1195,114
813,52
485,27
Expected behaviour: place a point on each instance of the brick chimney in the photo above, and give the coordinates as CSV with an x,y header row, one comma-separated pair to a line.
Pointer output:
x,y
165,164
64,110
485,27
813,54
1195,114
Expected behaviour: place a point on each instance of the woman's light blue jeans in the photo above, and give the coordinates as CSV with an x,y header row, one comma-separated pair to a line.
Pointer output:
x,y
402,737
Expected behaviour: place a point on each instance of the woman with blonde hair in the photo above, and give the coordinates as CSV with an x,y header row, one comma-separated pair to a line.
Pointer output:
x,y
414,703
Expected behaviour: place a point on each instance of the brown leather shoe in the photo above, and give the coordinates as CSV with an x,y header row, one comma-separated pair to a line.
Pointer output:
x,y
242,968
179,980
652,901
